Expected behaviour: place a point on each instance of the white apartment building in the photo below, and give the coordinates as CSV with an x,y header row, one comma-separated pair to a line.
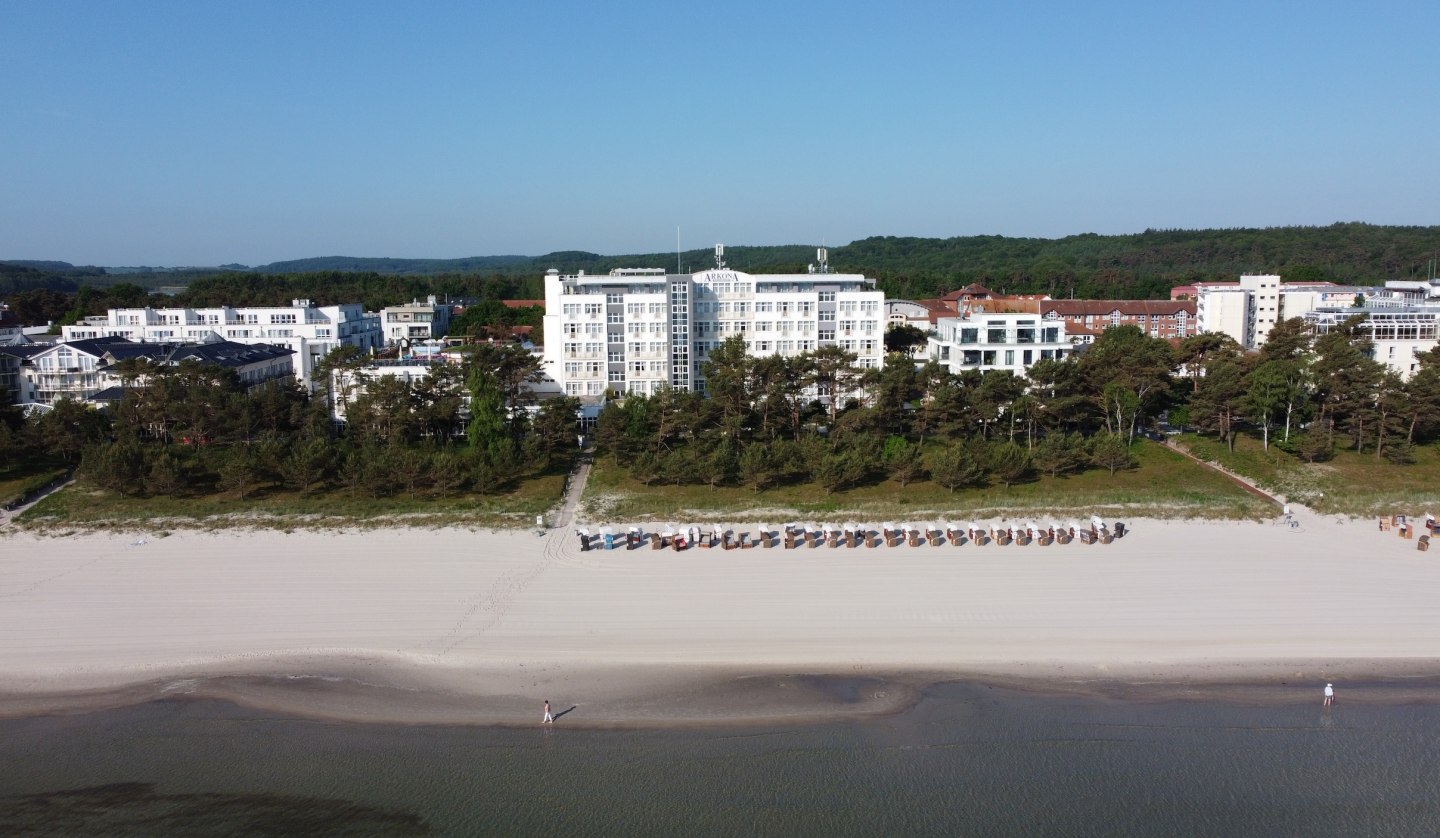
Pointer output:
x,y
1400,330
309,331
980,340
80,369
415,322
640,330
1248,310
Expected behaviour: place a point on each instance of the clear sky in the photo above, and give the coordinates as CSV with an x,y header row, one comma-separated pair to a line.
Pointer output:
x,y
199,133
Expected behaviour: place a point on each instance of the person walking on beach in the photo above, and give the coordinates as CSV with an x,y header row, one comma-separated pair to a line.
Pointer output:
x,y
1329,695
549,719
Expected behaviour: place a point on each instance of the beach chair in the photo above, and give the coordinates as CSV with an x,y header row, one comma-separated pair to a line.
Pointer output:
x,y
1087,537
832,538
789,540
1423,544
746,543
1119,529
1063,536
656,541
1045,539
584,539
1384,525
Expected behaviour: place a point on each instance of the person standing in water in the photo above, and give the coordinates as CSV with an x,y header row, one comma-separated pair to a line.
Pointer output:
x,y
1329,696
549,719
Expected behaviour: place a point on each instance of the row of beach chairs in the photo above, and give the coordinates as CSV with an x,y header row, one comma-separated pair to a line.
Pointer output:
x,y
795,536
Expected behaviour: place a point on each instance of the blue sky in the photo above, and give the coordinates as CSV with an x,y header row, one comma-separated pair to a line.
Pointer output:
x,y
208,132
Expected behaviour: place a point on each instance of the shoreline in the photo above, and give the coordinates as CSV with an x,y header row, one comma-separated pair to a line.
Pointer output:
x,y
679,697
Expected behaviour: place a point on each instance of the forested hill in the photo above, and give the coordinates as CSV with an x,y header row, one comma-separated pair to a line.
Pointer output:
x,y
469,264
1142,265
1089,266
1145,265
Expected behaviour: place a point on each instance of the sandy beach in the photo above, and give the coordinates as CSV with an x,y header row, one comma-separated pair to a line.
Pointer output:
x,y
455,626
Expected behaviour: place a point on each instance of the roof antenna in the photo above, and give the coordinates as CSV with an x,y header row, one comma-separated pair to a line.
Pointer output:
x,y
822,256
677,250
719,257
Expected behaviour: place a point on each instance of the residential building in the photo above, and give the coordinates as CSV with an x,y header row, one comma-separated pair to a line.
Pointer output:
x,y
1249,309
310,331
12,331
1086,319
80,369
415,321
1400,330
639,330
997,340
13,389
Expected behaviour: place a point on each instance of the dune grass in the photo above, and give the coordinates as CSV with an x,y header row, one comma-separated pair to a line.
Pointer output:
x,y
82,507
1349,484
1163,484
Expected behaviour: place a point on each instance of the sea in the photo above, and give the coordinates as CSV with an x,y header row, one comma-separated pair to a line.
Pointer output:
x,y
967,759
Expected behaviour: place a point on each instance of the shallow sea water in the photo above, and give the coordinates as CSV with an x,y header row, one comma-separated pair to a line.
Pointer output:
x,y
969,759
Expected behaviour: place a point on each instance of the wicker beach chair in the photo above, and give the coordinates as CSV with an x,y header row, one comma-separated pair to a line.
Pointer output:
x,y
1423,544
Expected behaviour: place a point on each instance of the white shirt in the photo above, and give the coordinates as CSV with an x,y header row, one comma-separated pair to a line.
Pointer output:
x,y
1329,691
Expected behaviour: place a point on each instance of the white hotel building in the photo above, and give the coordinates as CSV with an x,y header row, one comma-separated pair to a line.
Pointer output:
x,y
640,330
997,340
309,331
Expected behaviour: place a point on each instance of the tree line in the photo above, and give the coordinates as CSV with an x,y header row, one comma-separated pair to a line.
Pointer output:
x,y
191,429
761,423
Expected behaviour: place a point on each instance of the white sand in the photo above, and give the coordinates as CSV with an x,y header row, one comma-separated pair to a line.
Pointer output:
x,y
512,615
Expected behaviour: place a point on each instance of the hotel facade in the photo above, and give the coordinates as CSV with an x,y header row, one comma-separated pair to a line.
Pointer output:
x,y
641,330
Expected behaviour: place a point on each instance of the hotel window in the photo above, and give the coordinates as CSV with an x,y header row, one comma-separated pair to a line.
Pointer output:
x,y
617,375
849,306
573,388
595,348
615,357
827,296
592,308
807,345
827,334
592,368
847,325
867,346
572,368
742,308
614,299
637,366
634,309
806,307
762,346
656,308
764,308
870,307
827,317
615,317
